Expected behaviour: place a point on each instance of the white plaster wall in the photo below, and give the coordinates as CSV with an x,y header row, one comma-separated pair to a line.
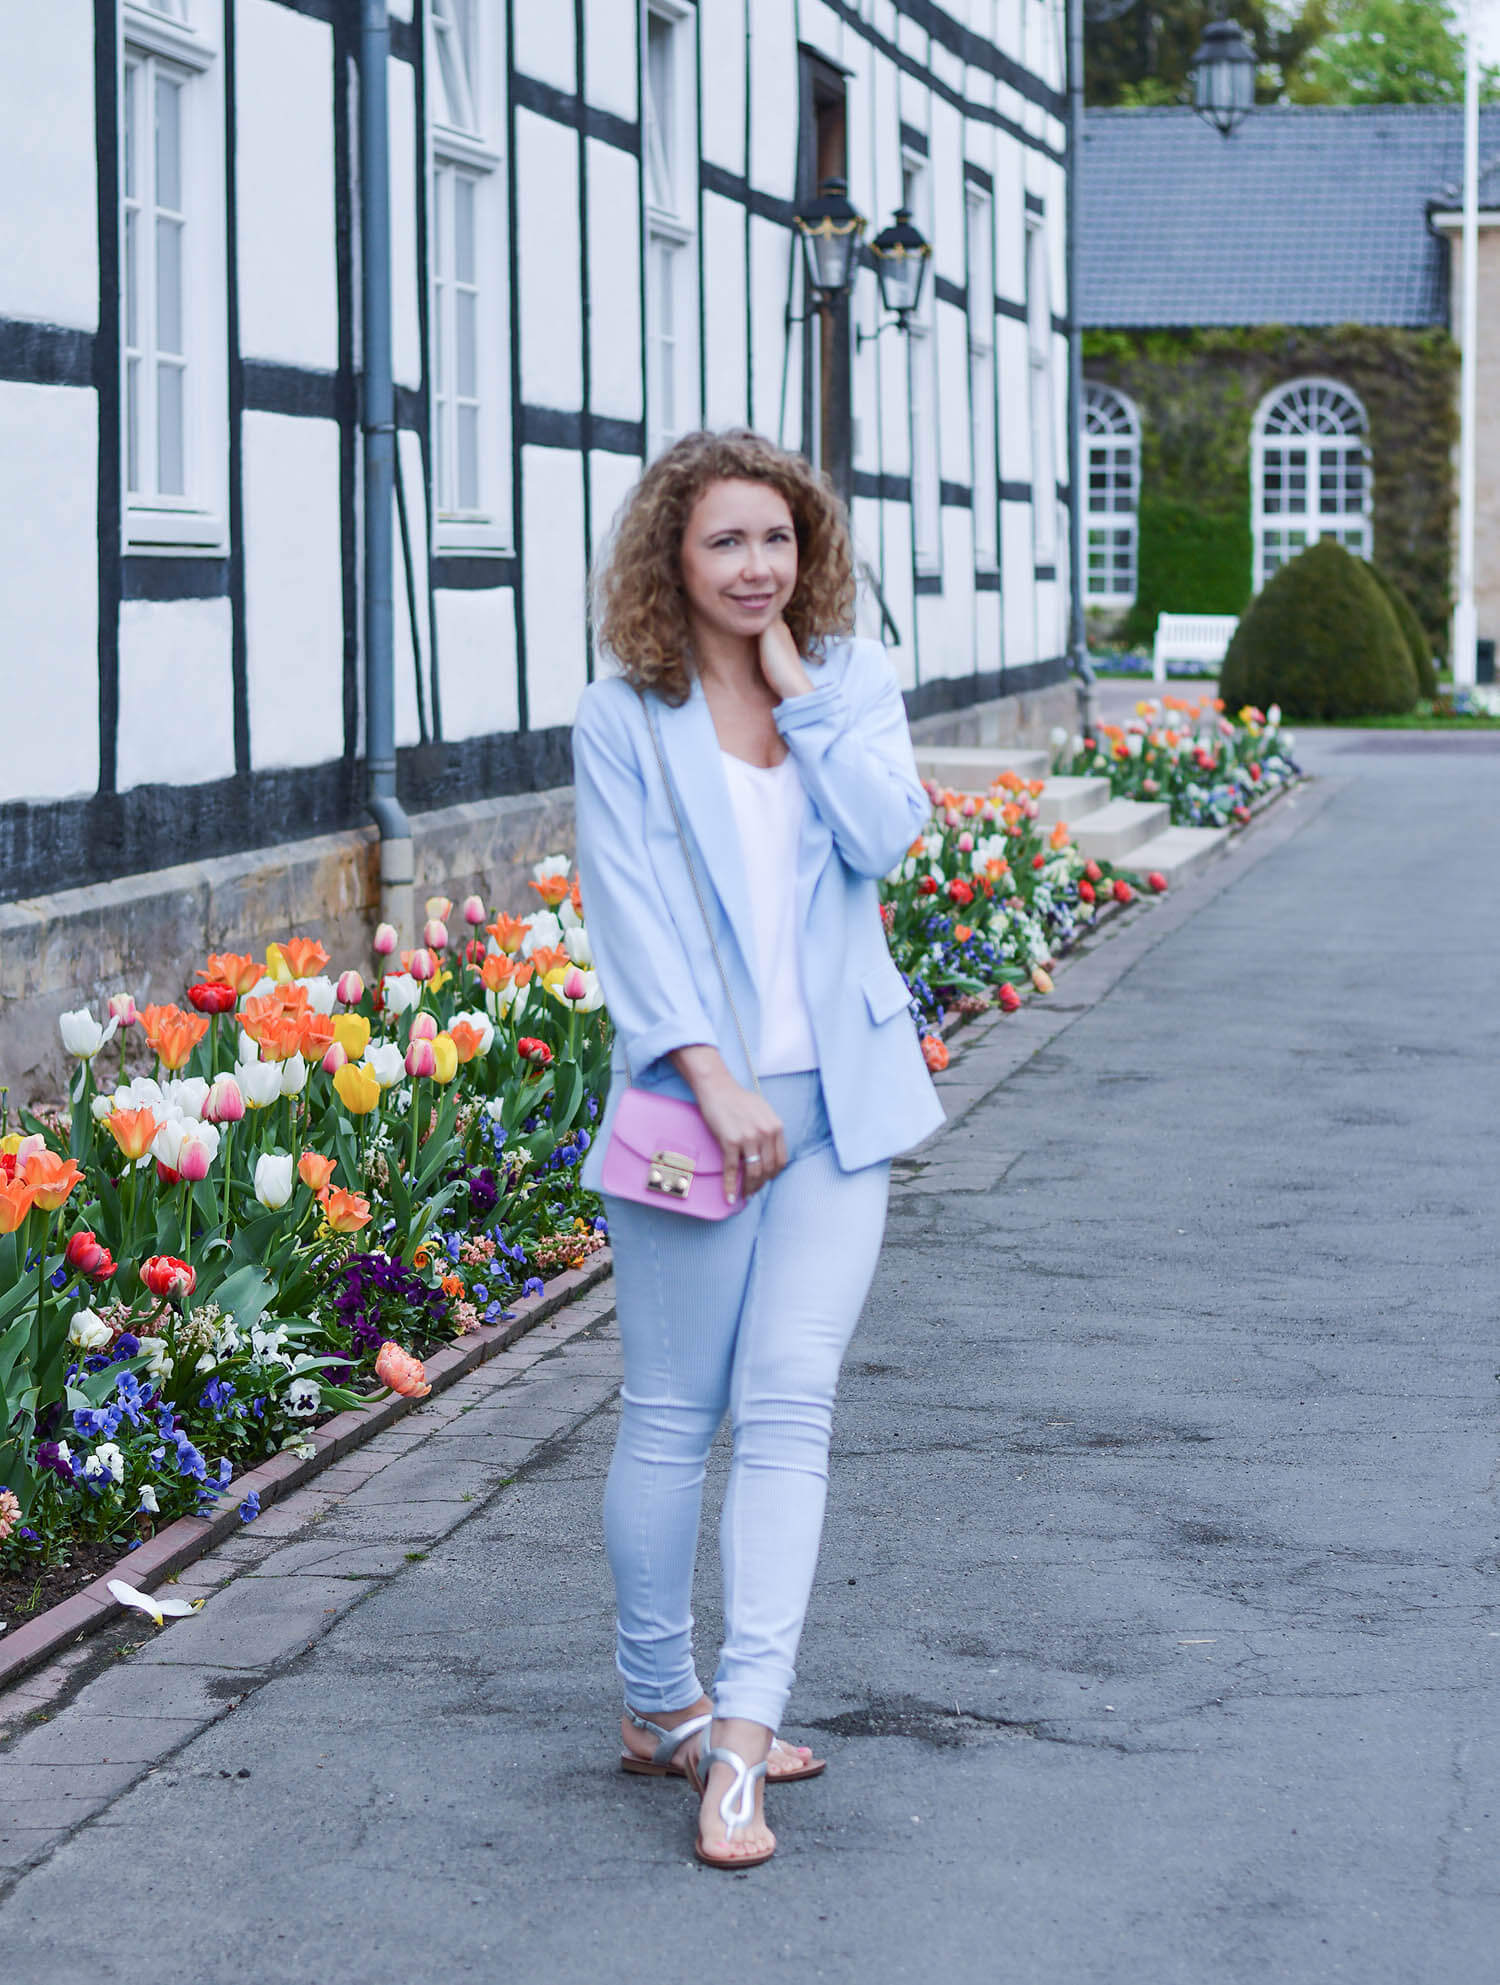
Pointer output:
x,y
409,458
722,27
49,630
947,174
953,394
724,311
406,329
284,100
773,96
897,586
612,477
769,263
554,579
49,263
294,631
477,656
1015,404
820,28
988,653
551,319
176,692
610,54
614,282
544,41
1020,591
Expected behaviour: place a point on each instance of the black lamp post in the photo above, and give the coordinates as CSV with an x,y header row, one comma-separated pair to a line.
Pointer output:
x,y
830,229
901,256
1224,76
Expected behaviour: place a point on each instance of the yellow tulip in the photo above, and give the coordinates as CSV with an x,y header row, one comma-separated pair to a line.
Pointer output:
x,y
352,1032
276,966
357,1088
10,1145
445,1053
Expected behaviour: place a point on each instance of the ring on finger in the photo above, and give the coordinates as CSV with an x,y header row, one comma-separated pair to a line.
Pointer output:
x,y
752,1158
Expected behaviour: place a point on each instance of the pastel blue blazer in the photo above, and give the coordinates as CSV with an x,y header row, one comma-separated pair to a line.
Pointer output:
x,y
849,738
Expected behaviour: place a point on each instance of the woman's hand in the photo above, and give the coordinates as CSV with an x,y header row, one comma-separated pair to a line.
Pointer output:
x,y
748,1130
780,663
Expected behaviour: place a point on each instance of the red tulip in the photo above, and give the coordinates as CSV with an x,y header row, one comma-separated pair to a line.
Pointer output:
x,y
212,998
1093,871
1086,890
1123,893
165,1276
960,891
1008,999
536,1052
927,886
85,1255
1157,881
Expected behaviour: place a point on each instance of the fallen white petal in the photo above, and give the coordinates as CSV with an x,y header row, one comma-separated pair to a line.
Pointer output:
x,y
159,1609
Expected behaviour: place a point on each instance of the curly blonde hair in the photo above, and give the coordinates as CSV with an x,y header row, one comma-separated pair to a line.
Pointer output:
x,y
640,611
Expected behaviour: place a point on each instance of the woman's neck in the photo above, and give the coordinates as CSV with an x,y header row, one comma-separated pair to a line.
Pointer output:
x,y
728,661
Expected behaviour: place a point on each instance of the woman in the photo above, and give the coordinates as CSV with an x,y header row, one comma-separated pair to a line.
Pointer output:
x,y
725,603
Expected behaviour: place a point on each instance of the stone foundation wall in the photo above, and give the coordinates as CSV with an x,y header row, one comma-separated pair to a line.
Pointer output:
x,y
146,934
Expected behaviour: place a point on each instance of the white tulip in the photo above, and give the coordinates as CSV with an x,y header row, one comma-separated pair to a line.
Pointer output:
x,y
543,928
322,994
576,943
549,866
167,1143
260,1083
82,1034
248,1049
102,1107
88,1332
273,1180
385,1062
259,990
293,1076
567,916
188,1093
400,992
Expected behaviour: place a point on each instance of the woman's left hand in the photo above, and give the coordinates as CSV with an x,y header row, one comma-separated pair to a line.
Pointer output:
x,y
780,663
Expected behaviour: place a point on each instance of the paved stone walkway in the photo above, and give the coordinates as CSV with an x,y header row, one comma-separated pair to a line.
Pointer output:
x,y
1156,1634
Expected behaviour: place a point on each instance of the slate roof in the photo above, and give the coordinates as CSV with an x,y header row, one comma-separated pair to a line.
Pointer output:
x,y
1307,215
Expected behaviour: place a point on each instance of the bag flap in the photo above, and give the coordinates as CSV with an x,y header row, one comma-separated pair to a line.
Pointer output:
x,y
645,1124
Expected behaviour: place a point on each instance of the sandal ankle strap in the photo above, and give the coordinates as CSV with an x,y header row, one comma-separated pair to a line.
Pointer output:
x,y
669,1742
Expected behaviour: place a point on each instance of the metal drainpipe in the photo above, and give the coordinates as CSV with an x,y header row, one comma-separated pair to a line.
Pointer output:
x,y
1078,647
397,872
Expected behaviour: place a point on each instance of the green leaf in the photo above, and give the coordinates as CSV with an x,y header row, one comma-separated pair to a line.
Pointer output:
x,y
244,1295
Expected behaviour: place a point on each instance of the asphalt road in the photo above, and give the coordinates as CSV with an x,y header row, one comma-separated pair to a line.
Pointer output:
x,y
1155,1638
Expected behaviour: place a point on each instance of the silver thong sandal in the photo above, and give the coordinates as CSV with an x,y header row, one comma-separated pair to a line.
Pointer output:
x,y
736,1808
663,1761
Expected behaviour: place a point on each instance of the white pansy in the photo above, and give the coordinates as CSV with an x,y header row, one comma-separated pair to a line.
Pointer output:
x,y
302,1398
206,1363
494,1109
576,943
400,992
260,1083
158,1364
88,1332
148,1500
227,1339
273,1179
106,1459
552,865
322,994
268,1343
293,1075
65,1453
82,1035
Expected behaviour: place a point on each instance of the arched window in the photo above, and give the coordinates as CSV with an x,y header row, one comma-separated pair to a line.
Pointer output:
x,y
1112,453
1311,470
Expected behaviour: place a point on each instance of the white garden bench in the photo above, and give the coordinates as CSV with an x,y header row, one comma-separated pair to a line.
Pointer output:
x,y
1191,637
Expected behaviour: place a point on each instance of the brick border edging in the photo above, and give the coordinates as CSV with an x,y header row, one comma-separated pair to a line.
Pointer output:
x,y
189,1537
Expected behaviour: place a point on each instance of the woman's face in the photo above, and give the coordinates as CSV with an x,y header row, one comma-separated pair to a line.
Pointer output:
x,y
739,558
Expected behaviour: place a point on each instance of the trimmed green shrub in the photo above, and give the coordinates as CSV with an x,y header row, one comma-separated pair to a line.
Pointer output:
x,y
1193,559
1417,642
1322,641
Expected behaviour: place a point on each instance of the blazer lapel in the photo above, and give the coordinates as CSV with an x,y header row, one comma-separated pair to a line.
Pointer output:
x,y
690,746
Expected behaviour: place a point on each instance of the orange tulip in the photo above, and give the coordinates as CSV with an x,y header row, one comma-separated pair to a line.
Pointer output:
x,y
50,1178
467,1039
401,1372
315,1170
551,889
229,968
305,956
497,970
172,1033
550,958
345,1212
16,1200
507,932
575,896
133,1131
1060,836
317,1036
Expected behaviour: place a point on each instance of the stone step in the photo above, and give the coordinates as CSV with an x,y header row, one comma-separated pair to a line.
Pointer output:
x,y
1177,851
1117,831
974,768
1071,800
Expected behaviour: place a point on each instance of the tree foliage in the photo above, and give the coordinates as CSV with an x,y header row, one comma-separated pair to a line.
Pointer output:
x,y
1388,51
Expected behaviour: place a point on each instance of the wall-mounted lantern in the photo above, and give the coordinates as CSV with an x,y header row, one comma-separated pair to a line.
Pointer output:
x,y
830,229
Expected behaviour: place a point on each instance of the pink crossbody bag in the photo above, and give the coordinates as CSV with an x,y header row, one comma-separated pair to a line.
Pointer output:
x,y
661,1152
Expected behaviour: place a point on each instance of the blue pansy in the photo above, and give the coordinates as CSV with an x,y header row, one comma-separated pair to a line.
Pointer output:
x,y
250,1507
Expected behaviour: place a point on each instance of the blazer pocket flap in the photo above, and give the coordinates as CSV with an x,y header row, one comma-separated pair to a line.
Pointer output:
x,y
885,993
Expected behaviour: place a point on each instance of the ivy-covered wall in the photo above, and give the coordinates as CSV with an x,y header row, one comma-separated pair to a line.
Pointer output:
x,y
1197,392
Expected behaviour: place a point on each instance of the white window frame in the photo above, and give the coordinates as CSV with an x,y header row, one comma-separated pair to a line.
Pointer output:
x,y
669,192
1039,396
467,148
184,45
1297,418
923,411
984,478
1110,453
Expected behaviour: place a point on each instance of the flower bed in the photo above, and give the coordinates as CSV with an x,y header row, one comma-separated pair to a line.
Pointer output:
x,y
312,1184
1211,770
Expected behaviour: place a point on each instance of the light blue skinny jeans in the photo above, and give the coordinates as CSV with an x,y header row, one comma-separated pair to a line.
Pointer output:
x,y
749,1316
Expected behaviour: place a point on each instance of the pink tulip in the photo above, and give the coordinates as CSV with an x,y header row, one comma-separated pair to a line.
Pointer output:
x,y
575,986
334,1059
385,939
122,1008
421,1059
226,1101
192,1160
350,989
423,965
474,910
423,1027
435,934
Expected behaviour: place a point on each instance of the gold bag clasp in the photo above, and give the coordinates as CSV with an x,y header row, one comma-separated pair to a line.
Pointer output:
x,y
671,1172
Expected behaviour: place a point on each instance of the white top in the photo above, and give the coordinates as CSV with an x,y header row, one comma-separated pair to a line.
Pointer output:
x,y
769,804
